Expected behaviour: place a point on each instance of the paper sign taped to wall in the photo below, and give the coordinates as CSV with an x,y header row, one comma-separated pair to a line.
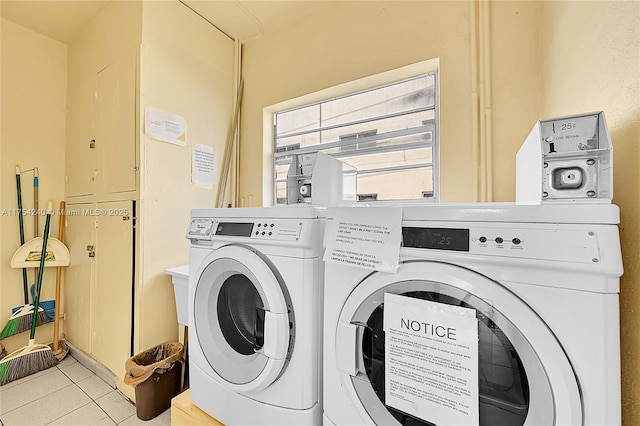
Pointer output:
x,y
431,360
366,237
203,166
164,126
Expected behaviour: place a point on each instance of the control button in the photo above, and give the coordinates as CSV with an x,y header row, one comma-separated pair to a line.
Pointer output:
x,y
516,241
270,233
483,239
272,225
259,225
262,232
257,232
499,240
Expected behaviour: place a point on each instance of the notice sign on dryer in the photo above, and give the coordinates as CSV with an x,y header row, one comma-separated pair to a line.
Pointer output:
x,y
431,360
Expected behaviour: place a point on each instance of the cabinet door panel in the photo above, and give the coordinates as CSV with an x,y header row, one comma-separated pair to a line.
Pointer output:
x,y
80,158
78,276
115,112
112,301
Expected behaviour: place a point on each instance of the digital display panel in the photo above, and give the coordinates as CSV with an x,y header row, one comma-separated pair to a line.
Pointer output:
x,y
436,238
234,229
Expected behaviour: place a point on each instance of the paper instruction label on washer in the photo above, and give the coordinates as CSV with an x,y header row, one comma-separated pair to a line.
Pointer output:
x,y
201,229
366,237
431,360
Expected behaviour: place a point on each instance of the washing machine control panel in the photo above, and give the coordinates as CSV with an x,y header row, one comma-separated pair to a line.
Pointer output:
x,y
276,230
279,230
533,242
268,229
262,229
568,245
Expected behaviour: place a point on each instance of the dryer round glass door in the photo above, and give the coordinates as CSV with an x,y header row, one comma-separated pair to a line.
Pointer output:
x,y
524,376
243,318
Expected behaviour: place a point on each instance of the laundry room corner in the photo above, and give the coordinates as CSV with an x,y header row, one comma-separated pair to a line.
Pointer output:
x,y
34,69
186,69
178,131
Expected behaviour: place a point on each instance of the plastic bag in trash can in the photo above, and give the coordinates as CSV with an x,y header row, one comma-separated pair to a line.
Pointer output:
x,y
158,358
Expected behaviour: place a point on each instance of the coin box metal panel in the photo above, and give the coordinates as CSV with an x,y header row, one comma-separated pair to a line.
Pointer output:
x,y
566,159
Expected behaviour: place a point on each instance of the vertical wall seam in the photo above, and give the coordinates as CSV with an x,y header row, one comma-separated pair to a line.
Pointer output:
x,y
237,69
475,142
485,112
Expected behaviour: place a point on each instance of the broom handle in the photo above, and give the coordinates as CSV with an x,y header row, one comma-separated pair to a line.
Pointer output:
x,y
36,184
56,310
43,254
25,280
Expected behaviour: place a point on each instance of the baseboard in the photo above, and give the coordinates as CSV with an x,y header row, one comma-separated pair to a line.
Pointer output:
x,y
94,366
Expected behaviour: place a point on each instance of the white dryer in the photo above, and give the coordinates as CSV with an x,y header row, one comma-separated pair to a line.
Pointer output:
x,y
255,293
544,282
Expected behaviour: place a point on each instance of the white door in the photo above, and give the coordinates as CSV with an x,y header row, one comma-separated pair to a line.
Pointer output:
x,y
243,318
115,118
524,378
79,275
112,333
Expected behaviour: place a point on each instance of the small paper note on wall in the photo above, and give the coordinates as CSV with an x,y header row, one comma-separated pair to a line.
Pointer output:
x,y
203,166
164,126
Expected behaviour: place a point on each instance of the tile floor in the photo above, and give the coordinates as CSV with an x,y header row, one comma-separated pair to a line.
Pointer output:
x,y
68,394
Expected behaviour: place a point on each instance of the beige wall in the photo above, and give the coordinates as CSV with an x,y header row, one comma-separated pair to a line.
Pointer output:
x,y
516,81
343,41
504,65
186,68
591,61
34,83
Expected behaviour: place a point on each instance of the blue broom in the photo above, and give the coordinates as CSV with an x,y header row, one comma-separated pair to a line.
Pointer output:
x,y
33,357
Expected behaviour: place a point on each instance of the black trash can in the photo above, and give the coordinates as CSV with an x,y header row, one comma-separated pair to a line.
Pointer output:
x,y
155,375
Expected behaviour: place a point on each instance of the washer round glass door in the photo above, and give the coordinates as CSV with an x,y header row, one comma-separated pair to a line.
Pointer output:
x,y
242,317
518,385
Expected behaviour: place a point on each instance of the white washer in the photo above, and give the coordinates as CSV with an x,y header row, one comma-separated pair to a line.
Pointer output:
x,y
255,293
544,281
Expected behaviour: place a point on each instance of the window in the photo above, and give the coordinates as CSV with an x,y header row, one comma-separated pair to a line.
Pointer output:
x,y
387,131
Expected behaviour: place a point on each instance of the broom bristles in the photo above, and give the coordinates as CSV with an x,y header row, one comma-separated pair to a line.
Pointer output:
x,y
21,321
26,361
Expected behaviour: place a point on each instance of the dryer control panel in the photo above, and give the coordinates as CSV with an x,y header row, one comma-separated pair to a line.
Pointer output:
x,y
263,229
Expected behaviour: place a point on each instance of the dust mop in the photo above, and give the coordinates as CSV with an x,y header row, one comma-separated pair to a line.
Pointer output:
x,y
20,319
33,357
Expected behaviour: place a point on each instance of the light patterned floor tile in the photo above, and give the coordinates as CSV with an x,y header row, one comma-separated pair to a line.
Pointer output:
x,y
116,406
27,379
76,371
90,414
68,360
45,410
31,390
94,386
163,419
